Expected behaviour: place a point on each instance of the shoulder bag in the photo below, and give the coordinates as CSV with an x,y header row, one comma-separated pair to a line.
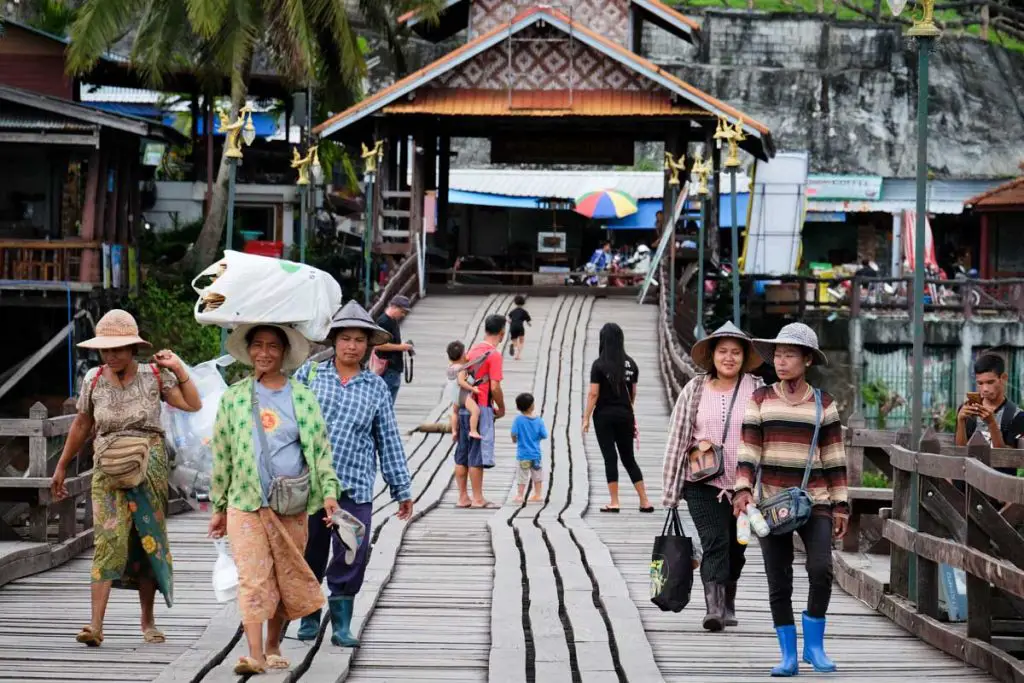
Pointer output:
x,y
789,510
288,495
125,459
707,460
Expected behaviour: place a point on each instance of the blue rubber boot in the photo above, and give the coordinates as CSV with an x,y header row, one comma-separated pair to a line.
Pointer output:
x,y
814,645
787,643
341,621
309,627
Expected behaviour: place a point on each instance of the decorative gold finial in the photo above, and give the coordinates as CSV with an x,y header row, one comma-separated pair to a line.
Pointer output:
x,y
674,166
303,164
925,26
241,128
733,136
702,169
372,156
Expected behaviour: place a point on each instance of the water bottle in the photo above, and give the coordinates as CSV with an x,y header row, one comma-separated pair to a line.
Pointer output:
x,y
757,521
743,529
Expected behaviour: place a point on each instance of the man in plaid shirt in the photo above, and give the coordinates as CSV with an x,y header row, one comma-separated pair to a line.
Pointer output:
x,y
361,426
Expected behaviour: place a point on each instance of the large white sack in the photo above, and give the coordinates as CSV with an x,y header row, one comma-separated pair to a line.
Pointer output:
x,y
260,289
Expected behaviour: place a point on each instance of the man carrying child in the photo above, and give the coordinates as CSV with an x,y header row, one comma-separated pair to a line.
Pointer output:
x,y
462,388
527,433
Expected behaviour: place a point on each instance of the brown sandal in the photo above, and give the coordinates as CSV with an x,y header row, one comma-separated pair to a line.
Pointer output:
x,y
90,637
154,635
248,665
277,662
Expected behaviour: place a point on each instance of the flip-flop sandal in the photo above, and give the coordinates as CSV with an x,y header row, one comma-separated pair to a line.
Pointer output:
x,y
609,509
154,635
277,662
89,637
463,507
248,665
647,509
488,505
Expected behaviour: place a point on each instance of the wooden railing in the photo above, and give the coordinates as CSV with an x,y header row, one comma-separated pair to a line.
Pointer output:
x,y
969,517
45,260
673,360
405,281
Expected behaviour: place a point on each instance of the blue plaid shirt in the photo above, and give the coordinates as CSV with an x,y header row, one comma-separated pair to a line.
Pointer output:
x,y
360,425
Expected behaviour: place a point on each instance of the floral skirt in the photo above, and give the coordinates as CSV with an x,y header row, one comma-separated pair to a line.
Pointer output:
x,y
273,577
130,530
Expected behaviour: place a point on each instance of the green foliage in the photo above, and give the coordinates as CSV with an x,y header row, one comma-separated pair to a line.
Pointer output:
x,y
874,480
159,248
53,16
945,421
165,316
877,393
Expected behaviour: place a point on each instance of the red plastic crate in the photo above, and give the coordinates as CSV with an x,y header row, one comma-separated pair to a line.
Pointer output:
x,y
264,248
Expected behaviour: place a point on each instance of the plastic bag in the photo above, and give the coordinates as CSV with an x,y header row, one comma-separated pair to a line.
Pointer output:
x,y
188,435
257,289
225,573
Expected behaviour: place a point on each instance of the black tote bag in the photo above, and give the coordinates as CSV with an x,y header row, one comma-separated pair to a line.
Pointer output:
x,y
672,566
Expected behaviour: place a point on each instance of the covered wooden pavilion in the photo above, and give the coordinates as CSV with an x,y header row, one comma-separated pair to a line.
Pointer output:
x,y
545,87
1002,215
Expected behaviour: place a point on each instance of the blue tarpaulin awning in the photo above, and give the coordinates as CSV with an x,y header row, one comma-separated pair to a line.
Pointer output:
x,y
484,199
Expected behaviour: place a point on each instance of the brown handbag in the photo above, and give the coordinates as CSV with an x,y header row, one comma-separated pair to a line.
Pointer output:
x,y
707,460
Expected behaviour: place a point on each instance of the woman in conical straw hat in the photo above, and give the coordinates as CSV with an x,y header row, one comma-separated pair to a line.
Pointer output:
x,y
121,399
779,429
709,412
253,460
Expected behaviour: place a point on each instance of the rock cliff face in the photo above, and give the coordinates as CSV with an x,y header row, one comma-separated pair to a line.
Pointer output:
x,y
847,92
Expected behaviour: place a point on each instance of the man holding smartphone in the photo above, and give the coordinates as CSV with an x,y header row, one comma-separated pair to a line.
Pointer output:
x,y
988,410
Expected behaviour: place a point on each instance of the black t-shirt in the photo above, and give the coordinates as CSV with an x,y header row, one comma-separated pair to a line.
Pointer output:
x,y
614,399
395,359
518,318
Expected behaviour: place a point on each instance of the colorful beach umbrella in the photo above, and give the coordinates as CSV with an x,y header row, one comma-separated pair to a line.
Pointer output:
x,y
605,204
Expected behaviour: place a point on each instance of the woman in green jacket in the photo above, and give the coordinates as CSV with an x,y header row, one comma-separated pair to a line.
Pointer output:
x,y
254,462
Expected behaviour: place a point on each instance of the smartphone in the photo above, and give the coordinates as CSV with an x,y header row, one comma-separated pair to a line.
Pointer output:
x,y
973,397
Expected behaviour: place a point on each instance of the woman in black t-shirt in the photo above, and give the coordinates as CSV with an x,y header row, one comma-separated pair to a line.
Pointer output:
x,y
613,378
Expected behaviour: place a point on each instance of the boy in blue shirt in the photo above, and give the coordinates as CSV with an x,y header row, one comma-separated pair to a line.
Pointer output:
x,y
527,433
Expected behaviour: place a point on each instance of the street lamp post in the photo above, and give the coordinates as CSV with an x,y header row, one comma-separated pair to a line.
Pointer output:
x,y
702,168
371,157
925,32
240,131
305,165
733,135
672,166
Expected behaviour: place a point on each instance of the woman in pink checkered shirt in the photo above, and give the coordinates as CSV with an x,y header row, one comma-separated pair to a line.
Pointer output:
x,y
711,407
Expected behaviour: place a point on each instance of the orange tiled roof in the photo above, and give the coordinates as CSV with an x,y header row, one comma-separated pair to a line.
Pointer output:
x,y
1007,195
415,79
466,102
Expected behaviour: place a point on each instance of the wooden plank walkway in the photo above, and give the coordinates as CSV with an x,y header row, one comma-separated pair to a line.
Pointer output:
x,y
865,645
543,592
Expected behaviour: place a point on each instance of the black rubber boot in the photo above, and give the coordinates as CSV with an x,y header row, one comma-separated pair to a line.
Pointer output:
x,y
730,604
714,598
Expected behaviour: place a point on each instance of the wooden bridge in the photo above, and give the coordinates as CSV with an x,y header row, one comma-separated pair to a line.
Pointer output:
x,y
544,592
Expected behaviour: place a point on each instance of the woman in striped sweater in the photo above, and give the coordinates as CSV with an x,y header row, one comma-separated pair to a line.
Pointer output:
x,y
778,431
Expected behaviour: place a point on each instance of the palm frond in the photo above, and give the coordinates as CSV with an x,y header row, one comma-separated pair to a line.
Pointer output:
x,y
163,41
98,24
341,67
207,17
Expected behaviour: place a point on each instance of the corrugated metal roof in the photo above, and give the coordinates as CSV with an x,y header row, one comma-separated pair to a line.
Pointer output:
x,y
567,184
1007,195
17,121
898,194
475,102
109,93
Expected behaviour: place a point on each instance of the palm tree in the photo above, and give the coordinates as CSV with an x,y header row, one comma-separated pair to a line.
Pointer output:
x,y
305,41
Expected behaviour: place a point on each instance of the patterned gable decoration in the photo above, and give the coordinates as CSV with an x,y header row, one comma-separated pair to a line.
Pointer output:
x,y
610,18
558,64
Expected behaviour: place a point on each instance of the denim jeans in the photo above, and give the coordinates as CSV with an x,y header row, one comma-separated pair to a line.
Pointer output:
x,y
393,378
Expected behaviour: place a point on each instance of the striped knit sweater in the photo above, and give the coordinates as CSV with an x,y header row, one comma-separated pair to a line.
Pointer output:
x,y
777,436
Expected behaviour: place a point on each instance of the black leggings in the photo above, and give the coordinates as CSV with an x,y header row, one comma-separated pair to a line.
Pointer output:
x,y
778,565
616,432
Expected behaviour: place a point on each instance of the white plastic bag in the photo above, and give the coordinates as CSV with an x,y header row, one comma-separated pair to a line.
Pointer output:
x,y
225,573
189,434
260,289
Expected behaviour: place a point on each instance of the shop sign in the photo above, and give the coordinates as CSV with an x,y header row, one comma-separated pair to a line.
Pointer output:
x,y
863,187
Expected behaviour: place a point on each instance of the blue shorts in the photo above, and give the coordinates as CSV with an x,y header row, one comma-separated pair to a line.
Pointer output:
x,y
470,452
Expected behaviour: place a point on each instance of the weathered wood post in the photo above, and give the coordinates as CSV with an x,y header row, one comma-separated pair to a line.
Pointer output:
x,y
979,592
854,477
37,468
927,570
899,559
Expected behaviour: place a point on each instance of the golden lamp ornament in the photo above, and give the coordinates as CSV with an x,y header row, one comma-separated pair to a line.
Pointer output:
x,y
702,169
674,166
372,156
733,135
305,165
237,132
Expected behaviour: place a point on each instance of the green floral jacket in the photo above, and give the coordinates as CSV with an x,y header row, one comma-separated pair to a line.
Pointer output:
x,y
236,477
